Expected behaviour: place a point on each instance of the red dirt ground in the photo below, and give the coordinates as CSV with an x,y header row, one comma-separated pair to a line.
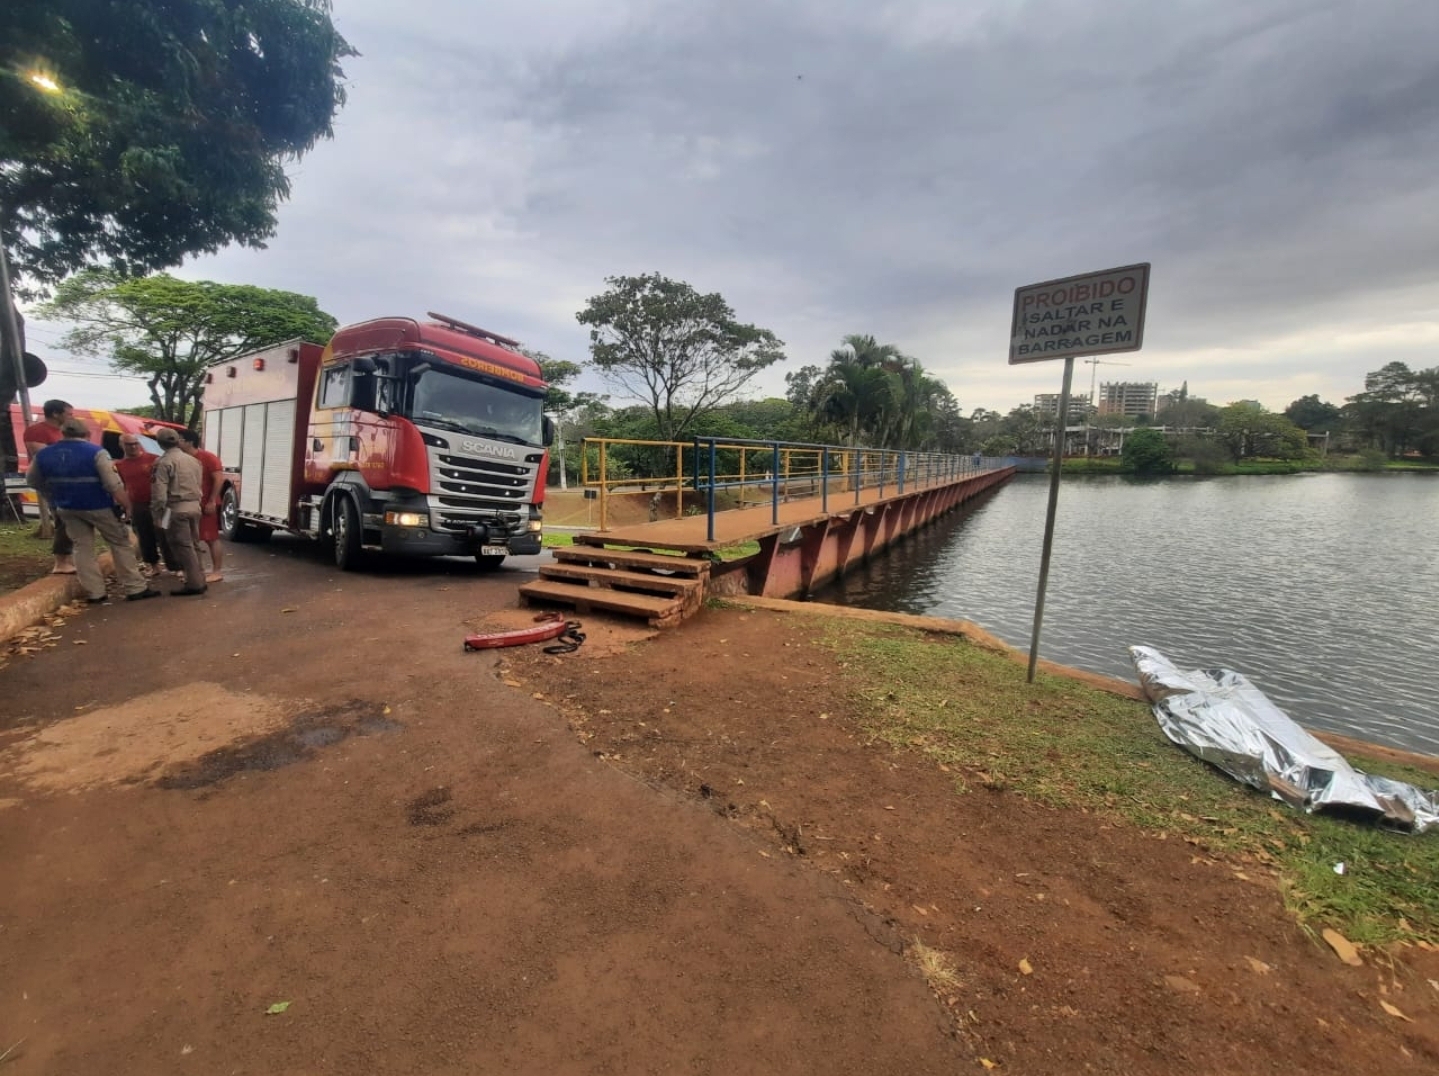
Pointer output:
x,y
662,853
1145,955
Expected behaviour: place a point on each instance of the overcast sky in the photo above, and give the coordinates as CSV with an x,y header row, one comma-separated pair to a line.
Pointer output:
x,y
895,169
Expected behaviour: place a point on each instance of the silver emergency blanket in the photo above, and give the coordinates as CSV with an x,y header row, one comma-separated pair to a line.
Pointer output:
x,y
1219,716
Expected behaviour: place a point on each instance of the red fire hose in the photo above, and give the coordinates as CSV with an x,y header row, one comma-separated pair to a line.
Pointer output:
x,y
548,626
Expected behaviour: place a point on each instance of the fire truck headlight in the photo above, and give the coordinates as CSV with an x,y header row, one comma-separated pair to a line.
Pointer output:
x,y
535,526
407,519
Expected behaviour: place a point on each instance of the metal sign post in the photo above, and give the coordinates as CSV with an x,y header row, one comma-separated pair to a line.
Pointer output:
x,y
1092,314
1055,468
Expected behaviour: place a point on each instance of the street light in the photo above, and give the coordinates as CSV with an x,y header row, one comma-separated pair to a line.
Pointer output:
x,y
44,81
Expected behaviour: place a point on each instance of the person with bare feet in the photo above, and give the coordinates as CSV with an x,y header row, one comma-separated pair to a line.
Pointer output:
x,y
212,469
39,435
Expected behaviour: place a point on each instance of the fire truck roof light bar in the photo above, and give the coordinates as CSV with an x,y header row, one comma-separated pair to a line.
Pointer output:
x,y
473,330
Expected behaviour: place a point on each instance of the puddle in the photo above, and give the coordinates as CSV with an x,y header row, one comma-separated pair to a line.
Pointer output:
x,y
296,742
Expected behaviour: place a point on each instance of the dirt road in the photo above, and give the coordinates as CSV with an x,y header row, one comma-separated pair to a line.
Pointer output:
x,y
422,861
682,856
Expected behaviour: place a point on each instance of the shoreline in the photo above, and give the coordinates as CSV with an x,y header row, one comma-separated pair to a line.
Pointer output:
x,y
1345,745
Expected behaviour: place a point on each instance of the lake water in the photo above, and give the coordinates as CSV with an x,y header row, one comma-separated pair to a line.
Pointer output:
x,y
1323,589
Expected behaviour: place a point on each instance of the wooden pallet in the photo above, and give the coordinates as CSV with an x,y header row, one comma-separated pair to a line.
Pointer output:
x,y
664,590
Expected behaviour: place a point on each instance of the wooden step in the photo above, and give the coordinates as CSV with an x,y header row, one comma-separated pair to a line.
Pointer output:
x,y
608,577
625,558
660,612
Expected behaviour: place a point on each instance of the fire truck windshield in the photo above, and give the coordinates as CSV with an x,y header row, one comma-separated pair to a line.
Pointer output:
x,y
475,405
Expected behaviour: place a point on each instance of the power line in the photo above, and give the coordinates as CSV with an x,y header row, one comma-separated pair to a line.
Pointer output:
x,y
87,373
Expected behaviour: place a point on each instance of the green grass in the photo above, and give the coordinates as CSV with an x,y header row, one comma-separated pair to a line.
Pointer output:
x,y
18,539
1069,746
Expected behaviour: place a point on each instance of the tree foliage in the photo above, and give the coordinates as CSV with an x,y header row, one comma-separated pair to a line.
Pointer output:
x,y
1398,410
171,330
1313,414
1250,431
1147,451
678,352
167,130
873,394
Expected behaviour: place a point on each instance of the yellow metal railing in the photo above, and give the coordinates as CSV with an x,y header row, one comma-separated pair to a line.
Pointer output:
x,y
756,472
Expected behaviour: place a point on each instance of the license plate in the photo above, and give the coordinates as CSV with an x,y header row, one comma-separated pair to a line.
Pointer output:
x,y
494,551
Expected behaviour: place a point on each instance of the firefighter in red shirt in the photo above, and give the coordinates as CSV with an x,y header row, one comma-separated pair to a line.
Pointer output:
x,y
39,435
212,469
134,469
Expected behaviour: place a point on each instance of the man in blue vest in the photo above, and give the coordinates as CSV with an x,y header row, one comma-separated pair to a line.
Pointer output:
x,y
79,479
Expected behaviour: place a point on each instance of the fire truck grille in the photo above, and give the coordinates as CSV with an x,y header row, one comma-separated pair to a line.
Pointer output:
x,y
469,491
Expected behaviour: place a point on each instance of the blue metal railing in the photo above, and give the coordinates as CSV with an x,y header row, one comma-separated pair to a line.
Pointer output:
x,y
811,470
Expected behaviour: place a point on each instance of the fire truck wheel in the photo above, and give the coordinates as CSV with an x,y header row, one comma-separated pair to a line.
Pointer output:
x,y
490,562
235,529
345,533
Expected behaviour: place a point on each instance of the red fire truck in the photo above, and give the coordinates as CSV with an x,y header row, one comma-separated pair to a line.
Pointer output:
x,y
400,436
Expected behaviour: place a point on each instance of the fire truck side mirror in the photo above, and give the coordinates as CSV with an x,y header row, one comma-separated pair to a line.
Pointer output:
x,y
549,431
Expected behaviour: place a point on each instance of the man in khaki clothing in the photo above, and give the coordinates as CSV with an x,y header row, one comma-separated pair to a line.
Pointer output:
x,y
79,478
175,502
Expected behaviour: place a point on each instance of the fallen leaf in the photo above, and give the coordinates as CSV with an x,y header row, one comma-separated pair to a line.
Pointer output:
x,y
513,683
1258,966
986,1062
387,709
277,1008
1025,967
288,609
1392,1011
80,642
1343,948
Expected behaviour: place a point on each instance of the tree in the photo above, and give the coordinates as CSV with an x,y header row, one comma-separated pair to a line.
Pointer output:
x,y
556,373
171,330
1396,409
1249,430
677,351
140,131
1147,451
855,395
562,404
1313,414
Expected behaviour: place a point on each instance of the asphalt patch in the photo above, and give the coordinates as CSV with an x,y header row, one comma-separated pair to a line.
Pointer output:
x,y
297,742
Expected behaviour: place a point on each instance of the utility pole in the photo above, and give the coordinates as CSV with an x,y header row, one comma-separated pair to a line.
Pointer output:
x,y
1094,365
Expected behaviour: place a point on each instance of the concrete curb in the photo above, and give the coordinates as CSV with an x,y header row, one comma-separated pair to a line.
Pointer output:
x,y
31,604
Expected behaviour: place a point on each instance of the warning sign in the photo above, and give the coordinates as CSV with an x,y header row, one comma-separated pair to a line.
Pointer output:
x,y
1092,314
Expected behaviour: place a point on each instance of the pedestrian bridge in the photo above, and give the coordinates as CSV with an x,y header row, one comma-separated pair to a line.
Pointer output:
x,y
747,517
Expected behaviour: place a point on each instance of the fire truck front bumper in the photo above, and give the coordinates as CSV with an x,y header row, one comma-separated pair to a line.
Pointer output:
x,y
406,534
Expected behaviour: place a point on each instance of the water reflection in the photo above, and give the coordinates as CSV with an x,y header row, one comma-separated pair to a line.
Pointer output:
x,y
1323,589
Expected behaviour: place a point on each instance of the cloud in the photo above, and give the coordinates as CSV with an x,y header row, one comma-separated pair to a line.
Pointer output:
x,y
897,169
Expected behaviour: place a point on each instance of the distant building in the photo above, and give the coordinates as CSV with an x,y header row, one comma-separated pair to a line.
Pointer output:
x,y
1129,398
1047,404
